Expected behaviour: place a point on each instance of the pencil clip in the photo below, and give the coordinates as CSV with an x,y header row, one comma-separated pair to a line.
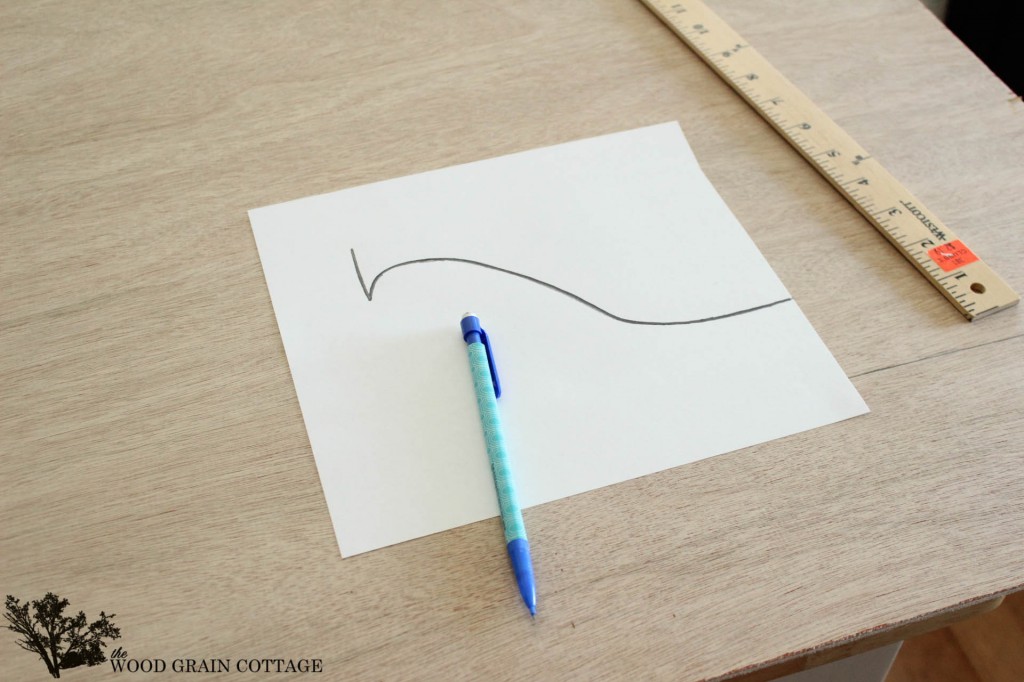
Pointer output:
x,y
471,332
490,363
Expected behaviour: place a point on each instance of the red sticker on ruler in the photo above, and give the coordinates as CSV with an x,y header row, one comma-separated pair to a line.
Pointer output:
x,y
952,255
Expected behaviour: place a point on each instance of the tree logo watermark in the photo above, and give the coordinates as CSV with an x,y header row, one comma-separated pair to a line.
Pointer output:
x,y
61,641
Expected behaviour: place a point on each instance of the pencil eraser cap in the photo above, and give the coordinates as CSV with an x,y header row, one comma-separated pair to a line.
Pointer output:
x,y
470,323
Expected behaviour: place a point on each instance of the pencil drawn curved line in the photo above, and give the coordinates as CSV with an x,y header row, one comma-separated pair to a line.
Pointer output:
x,y
373,284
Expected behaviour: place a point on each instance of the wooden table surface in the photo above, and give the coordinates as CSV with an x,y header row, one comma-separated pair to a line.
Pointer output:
x,y
153,458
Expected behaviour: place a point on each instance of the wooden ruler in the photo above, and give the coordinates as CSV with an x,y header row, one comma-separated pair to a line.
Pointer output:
x,y
922,238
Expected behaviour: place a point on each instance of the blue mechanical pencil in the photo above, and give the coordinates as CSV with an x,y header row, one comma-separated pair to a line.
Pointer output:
x,y
488,390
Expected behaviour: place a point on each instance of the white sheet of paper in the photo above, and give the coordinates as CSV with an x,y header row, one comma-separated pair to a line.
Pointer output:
x,y
625,221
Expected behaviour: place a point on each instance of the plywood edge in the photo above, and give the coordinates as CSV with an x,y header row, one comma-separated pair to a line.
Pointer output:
x,y
866,640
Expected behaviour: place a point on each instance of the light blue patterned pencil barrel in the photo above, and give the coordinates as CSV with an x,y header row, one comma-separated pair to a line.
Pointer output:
x,y
487,404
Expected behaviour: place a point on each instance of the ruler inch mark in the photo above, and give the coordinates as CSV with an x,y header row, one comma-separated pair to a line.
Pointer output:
x,y
849,168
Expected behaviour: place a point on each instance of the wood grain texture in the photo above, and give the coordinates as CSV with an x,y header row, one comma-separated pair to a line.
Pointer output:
x,y
154,461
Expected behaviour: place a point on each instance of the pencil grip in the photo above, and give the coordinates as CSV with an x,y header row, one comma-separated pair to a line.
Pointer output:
x,y
490,421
